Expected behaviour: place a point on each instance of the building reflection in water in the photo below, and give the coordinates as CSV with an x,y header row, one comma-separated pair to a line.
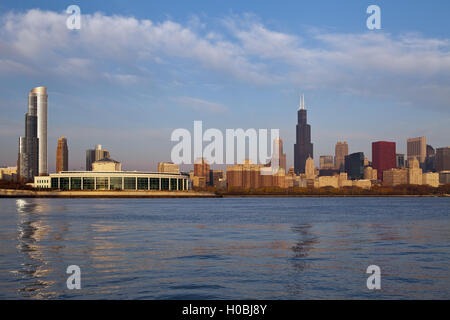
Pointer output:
x,y
31,231
300,262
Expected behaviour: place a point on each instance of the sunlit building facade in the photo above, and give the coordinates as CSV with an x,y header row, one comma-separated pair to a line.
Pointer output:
x,y
118,180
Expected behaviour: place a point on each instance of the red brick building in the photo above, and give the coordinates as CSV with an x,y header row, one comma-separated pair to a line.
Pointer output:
x,y
383,157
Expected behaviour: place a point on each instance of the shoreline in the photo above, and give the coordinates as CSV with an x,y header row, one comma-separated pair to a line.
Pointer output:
x,y
334,195
13,193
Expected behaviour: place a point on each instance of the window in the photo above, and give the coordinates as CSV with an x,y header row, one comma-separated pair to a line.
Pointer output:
x,y
102,183
116,183
54,183
64,183
129,183
88,183
164,183
142,183
173,184
75,183
154,183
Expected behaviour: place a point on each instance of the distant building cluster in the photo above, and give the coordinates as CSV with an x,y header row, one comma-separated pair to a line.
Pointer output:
x,y
422,166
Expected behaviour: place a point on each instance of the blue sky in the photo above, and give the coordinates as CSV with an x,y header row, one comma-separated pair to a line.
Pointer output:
x,y
138,70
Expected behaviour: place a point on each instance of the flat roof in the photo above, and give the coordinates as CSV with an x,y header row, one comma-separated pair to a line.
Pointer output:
x,y
121,172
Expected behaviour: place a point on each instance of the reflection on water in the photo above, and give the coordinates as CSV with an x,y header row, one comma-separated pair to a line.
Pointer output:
x,y
288,248
31,230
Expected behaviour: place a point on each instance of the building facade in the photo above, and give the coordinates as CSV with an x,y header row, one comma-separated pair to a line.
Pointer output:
x,y
417,148
62,155
216,178
326,162
340,152
32,159
442,159
383,157
96,154
414,172
28,157
8,173
278,156
168,167
201,169
354,166
120,180
395,177
431,179
106,165
303,148
400,160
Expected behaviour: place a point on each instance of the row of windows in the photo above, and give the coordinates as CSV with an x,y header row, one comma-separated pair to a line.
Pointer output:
x,y
118,183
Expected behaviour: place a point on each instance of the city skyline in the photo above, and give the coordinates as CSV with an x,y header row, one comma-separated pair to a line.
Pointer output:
x,y
105,94
384,155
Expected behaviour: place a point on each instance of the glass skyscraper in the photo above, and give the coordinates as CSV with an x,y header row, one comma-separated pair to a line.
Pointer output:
x,y
32,160
303,148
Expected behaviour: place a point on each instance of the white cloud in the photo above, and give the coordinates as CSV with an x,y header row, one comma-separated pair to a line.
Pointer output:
x,y
407,68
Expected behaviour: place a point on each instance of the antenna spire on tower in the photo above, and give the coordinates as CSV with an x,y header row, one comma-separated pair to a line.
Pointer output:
x,y
302,102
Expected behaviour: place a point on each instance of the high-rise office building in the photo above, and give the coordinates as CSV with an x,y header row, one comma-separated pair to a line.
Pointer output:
x,y
326,162
96,154
341,151
417,148
32,158
62,155
383,157
354,165
442,162
278,157
303,148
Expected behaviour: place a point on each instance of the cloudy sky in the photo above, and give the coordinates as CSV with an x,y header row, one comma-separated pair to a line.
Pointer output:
x,y
137,70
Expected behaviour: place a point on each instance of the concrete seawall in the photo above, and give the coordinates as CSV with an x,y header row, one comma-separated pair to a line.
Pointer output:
x,y
11,193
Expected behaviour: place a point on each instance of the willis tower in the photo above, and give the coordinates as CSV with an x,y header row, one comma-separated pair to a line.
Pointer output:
x,y
303,148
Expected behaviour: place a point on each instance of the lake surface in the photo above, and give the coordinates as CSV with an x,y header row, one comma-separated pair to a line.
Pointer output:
x,y
231,248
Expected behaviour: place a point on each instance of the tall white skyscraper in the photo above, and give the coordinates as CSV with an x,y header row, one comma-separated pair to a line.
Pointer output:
x,y
38,99
32,159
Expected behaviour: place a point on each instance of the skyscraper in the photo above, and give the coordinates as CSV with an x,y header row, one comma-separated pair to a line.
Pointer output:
x,y
417,148
278,155
32,159
383,157
303,148
62,155
354,165
28,159
340,151
96,154
38,99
